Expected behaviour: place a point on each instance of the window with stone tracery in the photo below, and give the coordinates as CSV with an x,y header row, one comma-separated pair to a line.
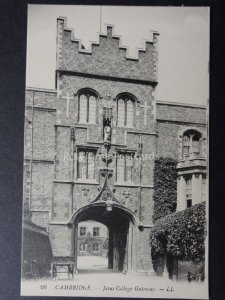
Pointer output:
x,y
87,107
191,144
124,167
86,164
125,111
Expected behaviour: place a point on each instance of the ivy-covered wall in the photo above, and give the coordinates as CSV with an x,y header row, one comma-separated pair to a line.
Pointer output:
x,y
181,234
165,187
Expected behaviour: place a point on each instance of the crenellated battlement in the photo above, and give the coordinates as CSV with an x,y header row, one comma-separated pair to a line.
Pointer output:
x,y
109,31
107,55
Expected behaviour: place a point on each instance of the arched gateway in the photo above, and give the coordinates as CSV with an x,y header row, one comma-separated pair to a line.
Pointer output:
x,y
120,221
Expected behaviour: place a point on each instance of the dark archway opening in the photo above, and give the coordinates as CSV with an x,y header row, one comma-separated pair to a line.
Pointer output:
x,y
120,226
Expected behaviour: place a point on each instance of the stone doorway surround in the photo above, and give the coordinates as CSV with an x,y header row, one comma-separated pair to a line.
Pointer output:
x,y
121,223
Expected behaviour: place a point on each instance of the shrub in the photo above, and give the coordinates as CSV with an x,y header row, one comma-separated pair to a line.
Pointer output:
x,y
180,234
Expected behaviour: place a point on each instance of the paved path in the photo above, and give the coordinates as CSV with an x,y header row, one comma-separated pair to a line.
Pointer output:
x,y
92,264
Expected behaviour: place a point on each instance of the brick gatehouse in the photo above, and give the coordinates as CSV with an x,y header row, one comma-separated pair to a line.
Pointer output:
x,y
90,147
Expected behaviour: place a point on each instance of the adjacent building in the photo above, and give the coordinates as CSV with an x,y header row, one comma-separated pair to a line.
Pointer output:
x,y
92,239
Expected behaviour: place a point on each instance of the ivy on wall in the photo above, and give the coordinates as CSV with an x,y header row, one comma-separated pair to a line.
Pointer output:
x,y
180,234
106,244
165,187
90,240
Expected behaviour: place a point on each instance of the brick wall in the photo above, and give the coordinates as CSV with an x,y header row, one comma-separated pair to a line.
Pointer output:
x,y
63,153
40,117
42,177
181,113
44,133
61,206
72,84
168,138
60,237
107,58
40,98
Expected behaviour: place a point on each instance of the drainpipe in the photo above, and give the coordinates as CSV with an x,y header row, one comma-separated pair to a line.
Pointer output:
x,y
140,147
72,164
73,253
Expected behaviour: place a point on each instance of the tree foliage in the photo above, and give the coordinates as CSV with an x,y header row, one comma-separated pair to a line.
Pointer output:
x,y
180,234
165,187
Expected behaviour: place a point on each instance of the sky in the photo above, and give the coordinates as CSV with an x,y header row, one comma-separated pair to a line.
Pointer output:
x,y
183,43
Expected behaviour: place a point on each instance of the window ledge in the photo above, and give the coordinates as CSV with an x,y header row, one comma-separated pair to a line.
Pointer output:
x,y
84,124
197,158
188,158
87,181
123,126
126,183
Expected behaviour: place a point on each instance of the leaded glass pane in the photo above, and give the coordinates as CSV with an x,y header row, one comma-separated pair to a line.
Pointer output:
x,y
83,109
92,109
121,113
195,147
130,113
186,146
129,167
91,165
82,165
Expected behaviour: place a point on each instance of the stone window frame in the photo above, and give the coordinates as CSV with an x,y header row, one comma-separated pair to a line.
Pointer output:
x,y
84,229
202,144
92,150
96,249
191,134
88,92
126,97
96,233
125,153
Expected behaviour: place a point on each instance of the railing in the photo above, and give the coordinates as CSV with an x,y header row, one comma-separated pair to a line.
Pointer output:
x,y
63,270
